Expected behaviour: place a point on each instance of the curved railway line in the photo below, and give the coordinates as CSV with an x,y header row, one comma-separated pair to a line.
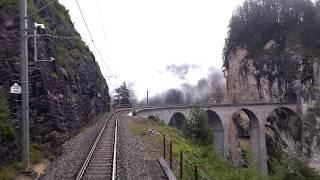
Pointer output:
x,y
101,162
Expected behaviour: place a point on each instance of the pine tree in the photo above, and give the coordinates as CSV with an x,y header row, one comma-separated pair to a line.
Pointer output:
x,y
122,98
257,22
197,127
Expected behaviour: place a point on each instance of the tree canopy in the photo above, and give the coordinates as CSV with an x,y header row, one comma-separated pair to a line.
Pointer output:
x,y
122,97
256,22
197,127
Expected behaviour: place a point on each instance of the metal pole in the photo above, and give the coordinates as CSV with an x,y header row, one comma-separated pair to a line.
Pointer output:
x,y
119,98
170,154
147,98
164,146
181,164
25,83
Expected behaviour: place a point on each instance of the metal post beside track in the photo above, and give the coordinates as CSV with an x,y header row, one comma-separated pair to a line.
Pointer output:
x,y
164,146
181,164
170,151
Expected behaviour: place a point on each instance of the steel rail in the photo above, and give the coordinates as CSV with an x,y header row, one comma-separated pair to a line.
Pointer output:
x,y
85,164
114,166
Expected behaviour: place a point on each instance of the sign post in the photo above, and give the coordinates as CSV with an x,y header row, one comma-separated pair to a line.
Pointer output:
x,y
15,89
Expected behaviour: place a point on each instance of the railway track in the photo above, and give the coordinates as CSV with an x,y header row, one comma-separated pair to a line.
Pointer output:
x,y
101,162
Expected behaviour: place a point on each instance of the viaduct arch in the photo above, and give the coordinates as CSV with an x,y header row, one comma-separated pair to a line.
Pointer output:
x,y
220,115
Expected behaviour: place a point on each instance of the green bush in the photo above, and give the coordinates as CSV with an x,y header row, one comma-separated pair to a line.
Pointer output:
x,y
32,8
62,55
197,127
4,109
5,128
6,131
8,172
80,43
61,12
292,168
4,3
75,53
35,153
54,75
158,121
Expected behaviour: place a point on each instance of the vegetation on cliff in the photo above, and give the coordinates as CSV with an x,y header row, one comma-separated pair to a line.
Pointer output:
x,y
64,95
257,22
6,130
4,3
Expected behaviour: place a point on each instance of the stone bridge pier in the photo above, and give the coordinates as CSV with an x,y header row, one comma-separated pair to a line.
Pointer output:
x,y
220,117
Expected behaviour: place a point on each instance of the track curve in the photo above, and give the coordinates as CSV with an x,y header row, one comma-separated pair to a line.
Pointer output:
x,y
101,162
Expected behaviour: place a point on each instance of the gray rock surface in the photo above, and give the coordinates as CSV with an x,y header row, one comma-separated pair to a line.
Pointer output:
x,y
65,94
265,77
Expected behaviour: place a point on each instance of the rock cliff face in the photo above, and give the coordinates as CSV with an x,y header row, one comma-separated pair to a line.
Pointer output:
x,y
65,94
272,55
291,78
263,78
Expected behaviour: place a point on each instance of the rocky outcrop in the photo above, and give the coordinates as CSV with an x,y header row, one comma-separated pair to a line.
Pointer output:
x,y
65,94
293,77
239,139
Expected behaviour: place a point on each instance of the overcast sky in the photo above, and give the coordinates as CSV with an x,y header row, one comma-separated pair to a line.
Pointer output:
x,y
140,39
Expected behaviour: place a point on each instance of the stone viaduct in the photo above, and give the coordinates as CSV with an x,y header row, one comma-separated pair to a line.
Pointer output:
x,y
220,115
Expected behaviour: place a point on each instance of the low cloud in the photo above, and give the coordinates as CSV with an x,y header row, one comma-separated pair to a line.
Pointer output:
x,y
211,89
181,70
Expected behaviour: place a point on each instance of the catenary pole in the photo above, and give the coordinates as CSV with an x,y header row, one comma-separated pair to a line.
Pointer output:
x,y
147,98
25,83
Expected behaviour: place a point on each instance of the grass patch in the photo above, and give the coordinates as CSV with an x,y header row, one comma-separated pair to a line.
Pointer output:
x,y
54,75
205,157
8,172
80,44
4,3
75,53
62,55
6,129
35,153
216,167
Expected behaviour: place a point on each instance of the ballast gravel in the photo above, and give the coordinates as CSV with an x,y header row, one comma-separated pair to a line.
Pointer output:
x,y
74,153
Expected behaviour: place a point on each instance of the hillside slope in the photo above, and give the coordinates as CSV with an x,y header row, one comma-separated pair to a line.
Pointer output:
x,y
64,95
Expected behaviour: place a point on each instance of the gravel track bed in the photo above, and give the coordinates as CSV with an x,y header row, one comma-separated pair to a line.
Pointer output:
x,y
134,164
74,153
